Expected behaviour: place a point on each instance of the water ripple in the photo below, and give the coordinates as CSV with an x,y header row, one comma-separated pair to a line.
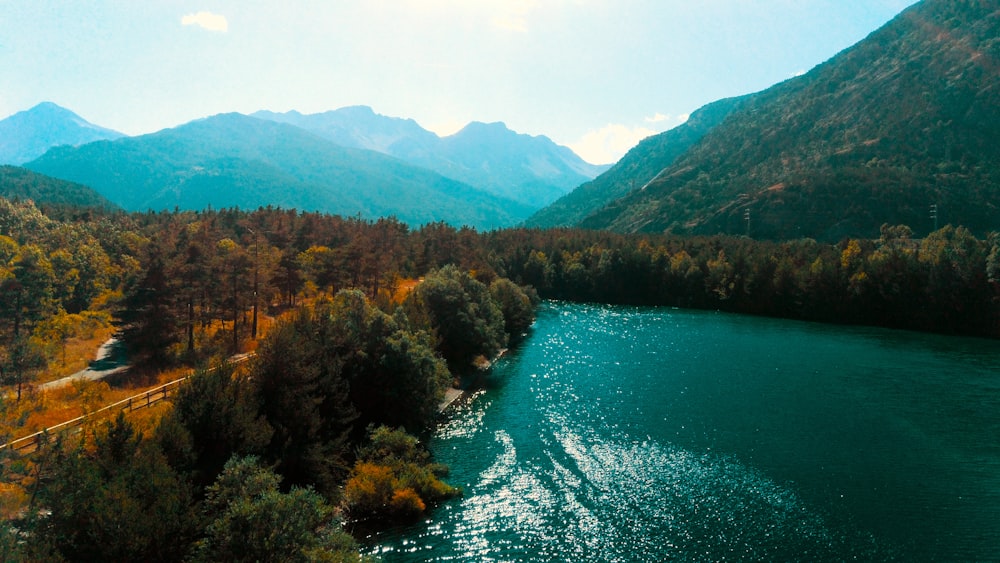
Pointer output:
x,y
623,434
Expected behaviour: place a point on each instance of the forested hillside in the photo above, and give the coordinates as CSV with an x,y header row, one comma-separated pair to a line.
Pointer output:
x,y
22,184
637,168
903,122
312,429
369,322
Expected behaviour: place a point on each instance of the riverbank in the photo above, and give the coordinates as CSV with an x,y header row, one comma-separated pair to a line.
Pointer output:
x,y
451,395
455,395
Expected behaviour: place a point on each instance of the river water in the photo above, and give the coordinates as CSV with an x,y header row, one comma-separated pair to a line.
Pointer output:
x,y
651,434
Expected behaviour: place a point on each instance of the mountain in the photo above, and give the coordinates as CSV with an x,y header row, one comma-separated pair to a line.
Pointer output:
x,y
525,168
26,135
531,170
23,184
906,119
232,160
640,165
361,128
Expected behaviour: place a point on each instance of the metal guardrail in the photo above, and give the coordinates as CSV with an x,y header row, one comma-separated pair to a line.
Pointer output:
x,y
30,443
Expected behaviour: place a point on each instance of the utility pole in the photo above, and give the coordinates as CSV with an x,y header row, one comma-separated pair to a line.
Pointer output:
x,y
934,215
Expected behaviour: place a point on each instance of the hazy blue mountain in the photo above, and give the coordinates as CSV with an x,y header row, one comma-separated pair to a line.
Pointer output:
x,y
26,135
235,160
23,184
531,169
361,128
651,156
527,169
907,118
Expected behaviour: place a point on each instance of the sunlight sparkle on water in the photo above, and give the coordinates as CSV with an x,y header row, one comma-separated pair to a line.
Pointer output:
x,y
614,434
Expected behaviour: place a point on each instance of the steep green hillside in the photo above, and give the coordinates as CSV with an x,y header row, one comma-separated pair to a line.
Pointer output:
x,y
906,119
234,160
23,184
640,165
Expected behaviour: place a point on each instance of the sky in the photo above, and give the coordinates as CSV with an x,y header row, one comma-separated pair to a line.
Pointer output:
x,y
594,75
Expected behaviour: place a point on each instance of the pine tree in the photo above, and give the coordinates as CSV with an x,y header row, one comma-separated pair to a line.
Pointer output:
x,y
147,320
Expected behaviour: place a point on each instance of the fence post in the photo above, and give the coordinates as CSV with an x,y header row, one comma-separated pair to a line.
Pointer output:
x,y
39,439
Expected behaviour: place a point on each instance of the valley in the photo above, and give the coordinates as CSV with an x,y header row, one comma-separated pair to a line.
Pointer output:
x,y
791,295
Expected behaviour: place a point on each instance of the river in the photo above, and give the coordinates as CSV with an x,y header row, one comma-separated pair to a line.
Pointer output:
x,y
651,434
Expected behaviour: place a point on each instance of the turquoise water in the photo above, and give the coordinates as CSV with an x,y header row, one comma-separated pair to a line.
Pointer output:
x,y
645,434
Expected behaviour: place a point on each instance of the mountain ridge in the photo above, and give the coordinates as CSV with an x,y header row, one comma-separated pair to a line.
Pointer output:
x,y
640,165
233,160
532,170
27,134
903,120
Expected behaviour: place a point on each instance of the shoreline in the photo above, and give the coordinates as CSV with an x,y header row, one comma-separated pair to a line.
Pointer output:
x,y
453,395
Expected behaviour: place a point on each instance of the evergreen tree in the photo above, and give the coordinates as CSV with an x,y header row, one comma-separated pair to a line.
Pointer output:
x,y
147,319
215,415
304,396
251,520
462,314
516,306
20,362
395,376
119,502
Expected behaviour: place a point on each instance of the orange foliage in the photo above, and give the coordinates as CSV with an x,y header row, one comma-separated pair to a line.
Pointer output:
x,y
369,489
407,503
404,287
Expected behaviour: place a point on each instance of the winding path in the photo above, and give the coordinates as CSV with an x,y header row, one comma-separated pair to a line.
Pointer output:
x,y
106,363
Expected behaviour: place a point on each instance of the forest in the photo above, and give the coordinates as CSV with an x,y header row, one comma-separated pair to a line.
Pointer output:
x,y
356,328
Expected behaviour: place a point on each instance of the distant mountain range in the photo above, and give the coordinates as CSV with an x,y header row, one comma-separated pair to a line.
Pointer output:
x,y
906,119
26,135
349,161
531,170
234,160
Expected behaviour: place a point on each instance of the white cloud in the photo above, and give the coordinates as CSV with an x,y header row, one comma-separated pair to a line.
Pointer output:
x,y
207,20
609,143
